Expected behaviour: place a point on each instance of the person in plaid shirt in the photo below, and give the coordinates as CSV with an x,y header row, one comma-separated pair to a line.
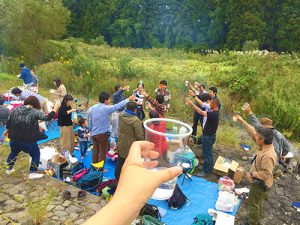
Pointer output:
x,y
157,103
163,90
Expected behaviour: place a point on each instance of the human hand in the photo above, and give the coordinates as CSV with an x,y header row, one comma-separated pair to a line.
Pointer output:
x,y
143,182
191,93
56,107
131,98
88,135
249,178
189,102
238,118
144,93
126,88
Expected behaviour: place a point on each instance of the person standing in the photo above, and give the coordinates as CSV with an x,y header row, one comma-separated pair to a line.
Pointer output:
x,y
99,124
22,128
26,76
117,97
131,130
281,145
213,91
157,104
83,137
209,134
163,90
140,100
65,123
60,91
23,95
261,172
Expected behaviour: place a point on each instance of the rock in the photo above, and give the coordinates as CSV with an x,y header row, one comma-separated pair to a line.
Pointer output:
x,y
73,209
19,197
12,191
50,207
244,158
4,222
61,214
66,203
10,202
73,216
279,191
81,221
59,208
95,207
3,197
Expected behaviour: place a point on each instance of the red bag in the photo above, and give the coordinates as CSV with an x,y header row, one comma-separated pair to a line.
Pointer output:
x,y
80,173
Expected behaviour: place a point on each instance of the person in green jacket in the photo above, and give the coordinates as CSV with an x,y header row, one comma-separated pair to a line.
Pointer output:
x,y
130,130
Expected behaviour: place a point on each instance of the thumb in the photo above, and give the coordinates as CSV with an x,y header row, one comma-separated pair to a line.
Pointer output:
x,y
168,174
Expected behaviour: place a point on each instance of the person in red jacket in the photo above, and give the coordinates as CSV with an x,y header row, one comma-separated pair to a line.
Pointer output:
x,y
159,141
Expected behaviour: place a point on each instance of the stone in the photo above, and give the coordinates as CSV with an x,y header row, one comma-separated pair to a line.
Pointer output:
x,y
73,209
10,202
19,197
95,207
50,207
4,222
81,221
59,208
279,191
3,197
67,203
73,216
61,214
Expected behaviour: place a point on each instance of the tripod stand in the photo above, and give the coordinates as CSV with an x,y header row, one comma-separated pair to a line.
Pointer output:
x,y
185,169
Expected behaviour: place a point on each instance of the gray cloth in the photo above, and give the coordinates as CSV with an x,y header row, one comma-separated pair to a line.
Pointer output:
x,y
4,114
281,145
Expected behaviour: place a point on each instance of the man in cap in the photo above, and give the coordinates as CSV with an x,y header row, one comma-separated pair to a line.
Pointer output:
x,y
261,172
281,145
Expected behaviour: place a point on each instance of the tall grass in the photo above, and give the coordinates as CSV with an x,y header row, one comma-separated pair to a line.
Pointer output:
x,y
269,82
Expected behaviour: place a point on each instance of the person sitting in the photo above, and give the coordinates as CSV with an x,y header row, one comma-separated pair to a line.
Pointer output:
x,y
60,91
4,112
281,145
26,76
164,91
83,137
157,103
22,128
23,95
131,130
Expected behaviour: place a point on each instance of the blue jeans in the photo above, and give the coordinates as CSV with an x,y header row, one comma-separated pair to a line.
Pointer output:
x,y
83,147
197,117
30,148
207,144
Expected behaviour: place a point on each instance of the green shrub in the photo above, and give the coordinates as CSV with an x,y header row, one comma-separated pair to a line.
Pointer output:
x,y
250,45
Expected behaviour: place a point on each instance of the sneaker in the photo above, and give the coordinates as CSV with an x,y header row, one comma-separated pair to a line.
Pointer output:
x,y
9,171
34,176
202,174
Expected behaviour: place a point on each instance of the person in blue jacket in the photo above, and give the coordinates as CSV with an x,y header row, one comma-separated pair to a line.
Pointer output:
x,y
26,76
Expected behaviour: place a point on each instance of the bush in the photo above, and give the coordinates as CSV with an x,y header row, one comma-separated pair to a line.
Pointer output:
x,y
250,45
98,41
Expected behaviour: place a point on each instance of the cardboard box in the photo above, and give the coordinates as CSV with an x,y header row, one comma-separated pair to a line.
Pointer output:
x,y
238,175
223,164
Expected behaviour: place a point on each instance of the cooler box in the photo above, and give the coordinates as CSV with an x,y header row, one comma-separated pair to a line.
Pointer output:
x,y
13,104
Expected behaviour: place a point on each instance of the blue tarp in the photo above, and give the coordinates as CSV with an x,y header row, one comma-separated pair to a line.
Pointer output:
x,y
202,194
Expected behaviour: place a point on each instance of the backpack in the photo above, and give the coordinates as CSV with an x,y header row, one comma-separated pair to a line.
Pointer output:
x,y
203,219
90,180
77,167
150,210
80,173
178,199
149,220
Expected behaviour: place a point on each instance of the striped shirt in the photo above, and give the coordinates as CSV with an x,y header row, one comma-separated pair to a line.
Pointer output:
x,y
139,98
26,93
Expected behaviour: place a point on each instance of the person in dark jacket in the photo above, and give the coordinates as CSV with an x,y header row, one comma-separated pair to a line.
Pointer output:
x,y
131,130
4,112
65,122
23,130
83,137
26,76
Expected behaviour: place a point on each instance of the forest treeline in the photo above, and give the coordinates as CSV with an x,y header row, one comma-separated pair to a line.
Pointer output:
x,y
190,24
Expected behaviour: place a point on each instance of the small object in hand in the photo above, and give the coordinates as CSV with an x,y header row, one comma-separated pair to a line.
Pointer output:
x,y
234,118
186,83
245,106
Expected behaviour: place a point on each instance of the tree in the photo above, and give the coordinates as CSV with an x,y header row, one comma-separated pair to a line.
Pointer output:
x,y
27,24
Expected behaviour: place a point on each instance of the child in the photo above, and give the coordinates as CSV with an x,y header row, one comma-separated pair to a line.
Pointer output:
x,y
83,137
